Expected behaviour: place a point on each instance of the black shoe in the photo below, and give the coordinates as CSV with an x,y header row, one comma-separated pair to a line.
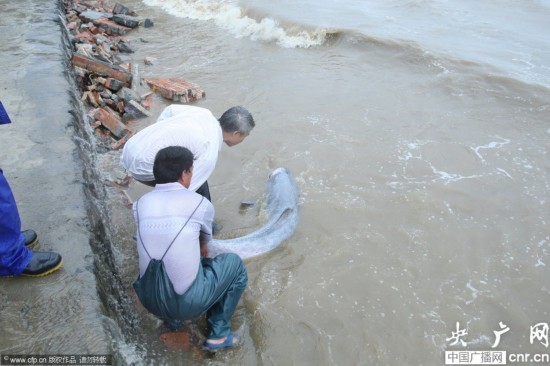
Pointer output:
x,y
174,324
42,264
31,239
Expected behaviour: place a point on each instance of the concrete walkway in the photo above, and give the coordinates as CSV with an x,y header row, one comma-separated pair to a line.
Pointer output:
x,y
60,313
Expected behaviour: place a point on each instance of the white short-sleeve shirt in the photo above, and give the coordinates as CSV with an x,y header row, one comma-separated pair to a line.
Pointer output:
x,y
162,213
178,125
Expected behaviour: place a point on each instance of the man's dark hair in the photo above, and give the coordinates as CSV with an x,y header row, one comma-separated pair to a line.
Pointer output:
x,y
237,119
170,162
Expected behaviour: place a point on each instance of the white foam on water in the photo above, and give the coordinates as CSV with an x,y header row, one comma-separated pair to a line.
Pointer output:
x,y
231,17
490,145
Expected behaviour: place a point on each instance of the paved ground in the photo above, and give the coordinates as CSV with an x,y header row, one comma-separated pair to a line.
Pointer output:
x,y
60,313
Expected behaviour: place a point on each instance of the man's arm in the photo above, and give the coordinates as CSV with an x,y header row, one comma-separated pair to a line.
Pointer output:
x,y
205,234
204,248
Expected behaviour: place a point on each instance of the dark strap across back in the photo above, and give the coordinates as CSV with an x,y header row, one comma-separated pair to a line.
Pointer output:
x,y
173,240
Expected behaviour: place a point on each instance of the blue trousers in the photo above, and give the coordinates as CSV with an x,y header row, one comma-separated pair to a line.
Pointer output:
x,y
224,278
216,291
14,255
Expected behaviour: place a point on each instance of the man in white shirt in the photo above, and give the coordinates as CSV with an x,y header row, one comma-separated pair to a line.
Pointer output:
x,y
192,127
174,226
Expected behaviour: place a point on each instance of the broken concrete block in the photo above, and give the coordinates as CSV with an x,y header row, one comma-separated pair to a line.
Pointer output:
x,y
120,106
150,61
247,203
176,89
113,84
147,100
126,20
79,8
148,23
100,39
111,120
127,95
90,15
85,49
102,68
85,36
135,77
110,83
133,110
122,9
89,97
111,28
120,143
73,25
125,48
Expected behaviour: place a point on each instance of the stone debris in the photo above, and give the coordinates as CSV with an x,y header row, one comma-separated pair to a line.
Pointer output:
x,y
122,10
126,20
176,89
88,16
134,110
150,61
247,203
111,120
148,23
102,68
107,85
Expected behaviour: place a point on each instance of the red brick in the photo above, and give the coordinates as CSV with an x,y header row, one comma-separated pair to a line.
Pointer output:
x,y
176,89
102,68
111,120
111,28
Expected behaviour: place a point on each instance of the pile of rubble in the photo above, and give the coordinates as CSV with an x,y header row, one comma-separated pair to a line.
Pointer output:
x,y
107,85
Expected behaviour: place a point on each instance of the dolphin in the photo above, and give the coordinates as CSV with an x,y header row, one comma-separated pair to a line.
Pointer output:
x,y
282,218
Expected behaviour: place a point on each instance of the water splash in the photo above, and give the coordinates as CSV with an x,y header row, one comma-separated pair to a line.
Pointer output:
x,y
234,18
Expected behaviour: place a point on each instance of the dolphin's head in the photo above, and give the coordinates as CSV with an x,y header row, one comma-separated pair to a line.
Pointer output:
x,y
281,190
278,171
280,177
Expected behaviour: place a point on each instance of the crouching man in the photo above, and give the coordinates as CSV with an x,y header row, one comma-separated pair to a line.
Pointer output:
x,y
176,281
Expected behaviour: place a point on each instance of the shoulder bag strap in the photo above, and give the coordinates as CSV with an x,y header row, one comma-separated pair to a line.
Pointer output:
x,y
173,240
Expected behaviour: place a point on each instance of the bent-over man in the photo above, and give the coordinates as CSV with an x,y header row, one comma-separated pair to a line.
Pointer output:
x,y
192,127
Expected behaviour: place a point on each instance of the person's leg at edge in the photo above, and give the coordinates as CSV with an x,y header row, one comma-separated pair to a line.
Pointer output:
x,y
14,256
151,183
204,191
228,266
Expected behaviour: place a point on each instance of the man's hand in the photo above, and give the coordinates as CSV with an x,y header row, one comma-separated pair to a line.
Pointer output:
x,y
204,248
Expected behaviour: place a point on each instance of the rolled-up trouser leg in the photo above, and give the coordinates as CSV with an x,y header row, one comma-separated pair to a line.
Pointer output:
x,y
14,256
227,276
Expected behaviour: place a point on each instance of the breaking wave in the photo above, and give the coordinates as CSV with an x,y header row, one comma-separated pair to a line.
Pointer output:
x,y
244,24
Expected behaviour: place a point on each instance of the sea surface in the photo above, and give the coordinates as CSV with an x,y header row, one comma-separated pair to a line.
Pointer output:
x,y
419,136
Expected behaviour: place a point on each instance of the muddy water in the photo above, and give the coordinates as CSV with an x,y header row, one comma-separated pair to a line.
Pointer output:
x,y
423,184
423,189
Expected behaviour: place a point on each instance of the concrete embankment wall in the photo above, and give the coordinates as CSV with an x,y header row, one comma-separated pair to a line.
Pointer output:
x,y
48,156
